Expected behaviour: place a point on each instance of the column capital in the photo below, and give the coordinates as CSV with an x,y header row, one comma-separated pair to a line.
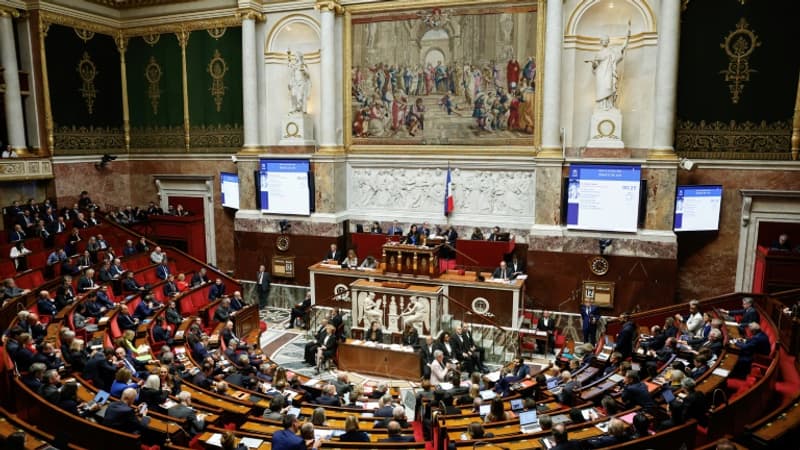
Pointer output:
x,y
7,11
329,5
122,42
250,14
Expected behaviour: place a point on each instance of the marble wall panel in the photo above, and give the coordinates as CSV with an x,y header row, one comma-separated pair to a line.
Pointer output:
x,y
639,246
660,198
247,184
108,186
708,260
548,195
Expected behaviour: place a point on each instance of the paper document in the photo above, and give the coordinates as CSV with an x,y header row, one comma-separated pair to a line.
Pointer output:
x,y
215,440
251,442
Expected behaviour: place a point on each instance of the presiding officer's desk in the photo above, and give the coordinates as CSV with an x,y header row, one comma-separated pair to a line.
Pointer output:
x,y
463,295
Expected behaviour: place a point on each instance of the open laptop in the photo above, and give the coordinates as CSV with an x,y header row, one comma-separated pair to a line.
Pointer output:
x,y
552,383
484,410
516,405
529,421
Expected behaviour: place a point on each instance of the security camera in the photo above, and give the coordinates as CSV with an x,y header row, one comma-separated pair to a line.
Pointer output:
x,y
234,159
104,161
686,164
604,244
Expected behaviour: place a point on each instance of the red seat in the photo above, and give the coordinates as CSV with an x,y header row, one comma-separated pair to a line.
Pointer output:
x,y
187,306
133,303
113,327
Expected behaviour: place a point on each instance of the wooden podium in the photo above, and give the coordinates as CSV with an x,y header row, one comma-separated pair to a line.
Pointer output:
x,y
412,260
245,320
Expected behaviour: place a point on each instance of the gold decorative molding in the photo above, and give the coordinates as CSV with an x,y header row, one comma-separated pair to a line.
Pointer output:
x,y
217,137
87,71
796,123
732,140
249,14
179,27
7,11
329,5
739,45
153,75
44,27
21,169
89,138
183,41
157,138
74,22
217,32
84,35
151,39
217,69
122,47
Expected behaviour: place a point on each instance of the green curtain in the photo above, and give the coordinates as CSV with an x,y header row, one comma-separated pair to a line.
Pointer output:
x,y
214,71
86,105
155,95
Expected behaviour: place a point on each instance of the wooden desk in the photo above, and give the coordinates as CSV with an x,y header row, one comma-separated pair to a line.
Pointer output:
x,y
487,254
415,260
771,434
379,361
246,320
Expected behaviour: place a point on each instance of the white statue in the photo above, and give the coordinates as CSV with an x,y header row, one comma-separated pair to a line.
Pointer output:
x,y
604,67
417,311
372,310
299,82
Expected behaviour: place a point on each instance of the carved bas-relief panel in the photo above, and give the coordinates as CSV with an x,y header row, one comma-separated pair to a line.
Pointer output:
x,y
393,309
480,196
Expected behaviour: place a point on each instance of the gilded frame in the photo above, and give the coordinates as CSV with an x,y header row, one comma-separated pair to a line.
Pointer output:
x,y
442,149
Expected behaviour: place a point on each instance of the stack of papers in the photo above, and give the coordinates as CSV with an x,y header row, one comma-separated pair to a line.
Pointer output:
x,y
251,442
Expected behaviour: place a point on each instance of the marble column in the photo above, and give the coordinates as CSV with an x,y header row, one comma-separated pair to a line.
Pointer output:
x,y
327,123
13,97
666,80
551,116
250,82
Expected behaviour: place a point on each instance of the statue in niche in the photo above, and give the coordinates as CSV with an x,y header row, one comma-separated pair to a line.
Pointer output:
x,y
417,312
604,68
299,82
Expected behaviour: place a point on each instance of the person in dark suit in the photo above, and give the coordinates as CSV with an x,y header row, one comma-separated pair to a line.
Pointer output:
x,y
145,309
100,369
125,321
398,415
328,397
170,289
287,438
18,234
223,311
311,347
237,302
714,342
465,350
503,272
561,439
262,285
413,236
161,332
590,315
695,404
299,310
495,234
162,271
635,392
352,432
757,343
548,325
748,313
626,336
394,432
130,286
217,290
102,297
46,305
183,410
328,348
615,435
395,229
334,254
121,415
374,333
86,282
199,278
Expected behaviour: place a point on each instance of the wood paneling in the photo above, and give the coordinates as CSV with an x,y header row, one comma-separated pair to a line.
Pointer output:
x,y
555,278
254,249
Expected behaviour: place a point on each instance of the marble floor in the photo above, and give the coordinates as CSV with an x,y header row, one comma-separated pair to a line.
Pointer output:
x,y
286,346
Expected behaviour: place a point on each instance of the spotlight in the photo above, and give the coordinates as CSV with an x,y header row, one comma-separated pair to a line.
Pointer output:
x,y
604,244
284,226
686,164
104,161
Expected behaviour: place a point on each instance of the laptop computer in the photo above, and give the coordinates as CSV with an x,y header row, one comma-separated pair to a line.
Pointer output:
x,y
484,410
99,399
552,383
529,421
516,405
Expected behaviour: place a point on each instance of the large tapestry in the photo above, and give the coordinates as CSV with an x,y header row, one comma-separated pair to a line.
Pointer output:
x,y
453,76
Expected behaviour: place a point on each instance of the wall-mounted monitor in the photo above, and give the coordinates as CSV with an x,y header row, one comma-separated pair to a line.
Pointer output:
x,y
697,208
285,186
229,187
603,197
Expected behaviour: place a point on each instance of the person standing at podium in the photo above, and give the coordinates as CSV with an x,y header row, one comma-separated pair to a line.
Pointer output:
x,y
503,272
590,315
495,236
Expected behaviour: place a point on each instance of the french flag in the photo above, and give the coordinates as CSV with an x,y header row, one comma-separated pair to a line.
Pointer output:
x,y
449,203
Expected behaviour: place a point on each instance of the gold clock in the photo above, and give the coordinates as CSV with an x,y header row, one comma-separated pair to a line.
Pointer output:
x,y
598,265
